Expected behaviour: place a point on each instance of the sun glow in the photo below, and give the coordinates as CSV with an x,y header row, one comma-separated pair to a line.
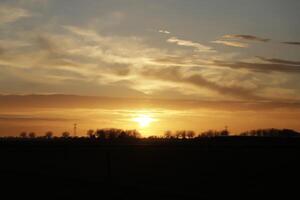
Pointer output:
x,y
143,120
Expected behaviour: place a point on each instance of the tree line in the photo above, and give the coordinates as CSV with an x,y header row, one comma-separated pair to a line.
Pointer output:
x,y
113,134
105,134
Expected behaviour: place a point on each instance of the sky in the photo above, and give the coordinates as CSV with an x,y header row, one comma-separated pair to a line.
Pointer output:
x,y
219,55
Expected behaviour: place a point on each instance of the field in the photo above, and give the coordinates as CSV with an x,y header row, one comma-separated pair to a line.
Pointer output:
x,y
235,167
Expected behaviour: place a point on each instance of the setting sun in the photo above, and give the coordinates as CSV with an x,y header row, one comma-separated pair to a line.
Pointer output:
x,y
143,120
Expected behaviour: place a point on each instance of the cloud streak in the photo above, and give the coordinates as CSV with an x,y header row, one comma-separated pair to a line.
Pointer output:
x,y
247,37
83,59
279,61
37,102
164,32
11,14
260,67
292,43
187,43
174,74
231,43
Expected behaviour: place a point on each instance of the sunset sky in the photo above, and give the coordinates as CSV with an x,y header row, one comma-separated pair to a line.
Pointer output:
x,y
177,64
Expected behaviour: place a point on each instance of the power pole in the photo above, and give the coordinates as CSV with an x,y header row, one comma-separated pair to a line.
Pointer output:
x,y
75,130
226,128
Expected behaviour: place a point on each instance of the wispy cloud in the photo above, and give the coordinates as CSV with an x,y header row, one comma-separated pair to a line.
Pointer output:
x,y
88,62
164,31
27,118
174,74
32,1
187,43
11,14
279,66
231,43
247,37
279,61
98,103
292,43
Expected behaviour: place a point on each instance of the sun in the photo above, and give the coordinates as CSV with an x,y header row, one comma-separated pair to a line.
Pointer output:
x,y
143,120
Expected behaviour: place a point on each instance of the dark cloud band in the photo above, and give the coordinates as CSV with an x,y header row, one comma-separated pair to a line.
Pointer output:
x,y
247,37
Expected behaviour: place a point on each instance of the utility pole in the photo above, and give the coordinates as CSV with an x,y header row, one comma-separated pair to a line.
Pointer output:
x,y
226,128
75,130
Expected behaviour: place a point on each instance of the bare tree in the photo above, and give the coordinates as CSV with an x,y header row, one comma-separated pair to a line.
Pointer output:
x,y
23,134
181,134
168,134
190,134
90,133
209,133
178,134
48,134
31,135
133,133
65,134
101,134
224,132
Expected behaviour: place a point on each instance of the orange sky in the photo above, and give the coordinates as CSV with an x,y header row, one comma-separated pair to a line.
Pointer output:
x,y
58,113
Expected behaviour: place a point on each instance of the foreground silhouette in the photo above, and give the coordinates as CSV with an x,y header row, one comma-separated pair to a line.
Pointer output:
x,y
113,134
176,166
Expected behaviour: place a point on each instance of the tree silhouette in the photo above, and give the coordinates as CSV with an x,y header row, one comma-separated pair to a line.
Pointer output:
x,y
224,132
48,135
181,134
178,134
190,134
133,134
113,133
271,133
65,134
31,135
209,133
101,134
23,134
91,133
168,134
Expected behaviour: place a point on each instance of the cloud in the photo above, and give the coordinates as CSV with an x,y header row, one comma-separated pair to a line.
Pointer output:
x,y
279,61
231,43
247,37
28,118
88,62
292,43
32,1
164,31
187,43
260,67
36,102
81,55
11,14
175,75
113,49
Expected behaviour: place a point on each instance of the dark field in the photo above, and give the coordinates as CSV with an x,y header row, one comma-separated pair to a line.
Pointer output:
x,y
234,167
